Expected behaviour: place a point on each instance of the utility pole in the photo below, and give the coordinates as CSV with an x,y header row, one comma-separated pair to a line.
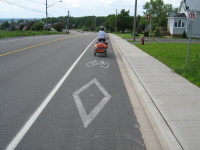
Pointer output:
x,y
95,23
134,24
46,15
47,12
68,22
116,22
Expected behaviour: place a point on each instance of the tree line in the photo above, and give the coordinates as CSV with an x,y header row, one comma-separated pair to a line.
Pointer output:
x,y
122,22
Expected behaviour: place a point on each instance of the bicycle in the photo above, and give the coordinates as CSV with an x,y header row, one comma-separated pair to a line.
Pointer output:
x,y
101,63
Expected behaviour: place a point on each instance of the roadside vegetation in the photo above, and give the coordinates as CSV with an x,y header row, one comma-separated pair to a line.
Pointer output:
x,y
5,33
174,56
26,28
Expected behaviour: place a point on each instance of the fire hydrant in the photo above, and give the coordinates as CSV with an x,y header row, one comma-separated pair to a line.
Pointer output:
x,y
142,40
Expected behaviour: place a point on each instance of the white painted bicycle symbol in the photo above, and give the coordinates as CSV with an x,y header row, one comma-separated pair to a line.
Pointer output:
x,y
101,63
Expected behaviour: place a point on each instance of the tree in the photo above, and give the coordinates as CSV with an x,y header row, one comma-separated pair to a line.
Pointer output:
x,y
20,21
141,24
110,23
13,28
59,26
159,12
90,23
5,25
21,27
38,26
123,20
30,24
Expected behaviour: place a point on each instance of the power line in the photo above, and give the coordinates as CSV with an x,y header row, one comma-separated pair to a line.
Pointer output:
x,y
35,2
21,6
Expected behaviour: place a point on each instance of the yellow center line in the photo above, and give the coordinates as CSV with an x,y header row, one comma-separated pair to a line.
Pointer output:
x,y
38,45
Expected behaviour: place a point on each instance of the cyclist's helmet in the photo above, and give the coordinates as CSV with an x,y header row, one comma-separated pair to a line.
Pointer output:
x,y
102,28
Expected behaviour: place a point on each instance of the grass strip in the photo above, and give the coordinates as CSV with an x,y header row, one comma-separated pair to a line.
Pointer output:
x,y
174,56
4,33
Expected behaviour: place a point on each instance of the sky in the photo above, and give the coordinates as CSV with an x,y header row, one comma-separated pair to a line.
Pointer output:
x,y
77,8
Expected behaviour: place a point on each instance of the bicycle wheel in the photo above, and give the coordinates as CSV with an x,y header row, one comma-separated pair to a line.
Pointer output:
x,y
90,64
105,53
95,53
104,65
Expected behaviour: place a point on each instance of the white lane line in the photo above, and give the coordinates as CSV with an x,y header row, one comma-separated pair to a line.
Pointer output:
x,y
88,118
15,141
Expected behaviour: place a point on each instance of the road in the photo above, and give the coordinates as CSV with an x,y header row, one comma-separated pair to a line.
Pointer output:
x,y
56,95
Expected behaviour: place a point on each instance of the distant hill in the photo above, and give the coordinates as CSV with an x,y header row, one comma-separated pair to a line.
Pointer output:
x,y
16,19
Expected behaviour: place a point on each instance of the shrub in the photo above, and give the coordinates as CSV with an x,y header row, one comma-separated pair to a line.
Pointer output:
x,y
59,27
13,28
184,35
38,26
146,33
21,27
157,32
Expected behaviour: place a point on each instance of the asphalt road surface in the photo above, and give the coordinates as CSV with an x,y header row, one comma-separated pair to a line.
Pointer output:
x,y
56,95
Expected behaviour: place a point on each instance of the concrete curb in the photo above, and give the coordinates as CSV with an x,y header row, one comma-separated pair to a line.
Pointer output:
x,y
160,126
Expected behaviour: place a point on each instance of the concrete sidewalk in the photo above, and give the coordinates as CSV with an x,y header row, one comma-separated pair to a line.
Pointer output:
x,y
170,101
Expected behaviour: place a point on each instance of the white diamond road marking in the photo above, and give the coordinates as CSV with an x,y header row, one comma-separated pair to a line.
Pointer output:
x,y
88,118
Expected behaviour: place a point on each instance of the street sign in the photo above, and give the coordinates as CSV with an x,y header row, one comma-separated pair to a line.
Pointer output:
x,y
192,15
148,16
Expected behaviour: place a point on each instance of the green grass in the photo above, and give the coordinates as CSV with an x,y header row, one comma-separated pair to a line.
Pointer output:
x,y
4,33
174,55
127,35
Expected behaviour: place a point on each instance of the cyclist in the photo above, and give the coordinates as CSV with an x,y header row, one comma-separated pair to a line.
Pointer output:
x,y
102,35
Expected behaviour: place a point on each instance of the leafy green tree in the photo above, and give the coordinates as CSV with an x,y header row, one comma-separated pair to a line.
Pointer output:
x,y
110,23
30,24
123,20
90,23
159,12
21,27
5,25
141,23
13,28
157,32
38,26
59,26
20,21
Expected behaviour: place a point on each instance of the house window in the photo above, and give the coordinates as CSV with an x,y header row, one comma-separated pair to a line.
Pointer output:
x,y
176,23
179,23
183,23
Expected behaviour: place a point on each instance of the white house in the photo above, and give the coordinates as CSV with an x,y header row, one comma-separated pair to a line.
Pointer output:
x,y
179,23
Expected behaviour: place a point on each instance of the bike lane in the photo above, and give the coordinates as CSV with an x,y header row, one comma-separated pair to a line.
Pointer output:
x,y
90,111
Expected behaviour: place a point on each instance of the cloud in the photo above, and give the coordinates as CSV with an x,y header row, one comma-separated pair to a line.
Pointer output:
x,y
75,6
175,3
73,1
106,2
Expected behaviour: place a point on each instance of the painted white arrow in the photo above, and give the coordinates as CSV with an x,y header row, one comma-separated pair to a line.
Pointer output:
x,y
88,118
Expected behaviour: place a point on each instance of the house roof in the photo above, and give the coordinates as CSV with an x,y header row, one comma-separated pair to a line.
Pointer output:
x,y
193,5
180,15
